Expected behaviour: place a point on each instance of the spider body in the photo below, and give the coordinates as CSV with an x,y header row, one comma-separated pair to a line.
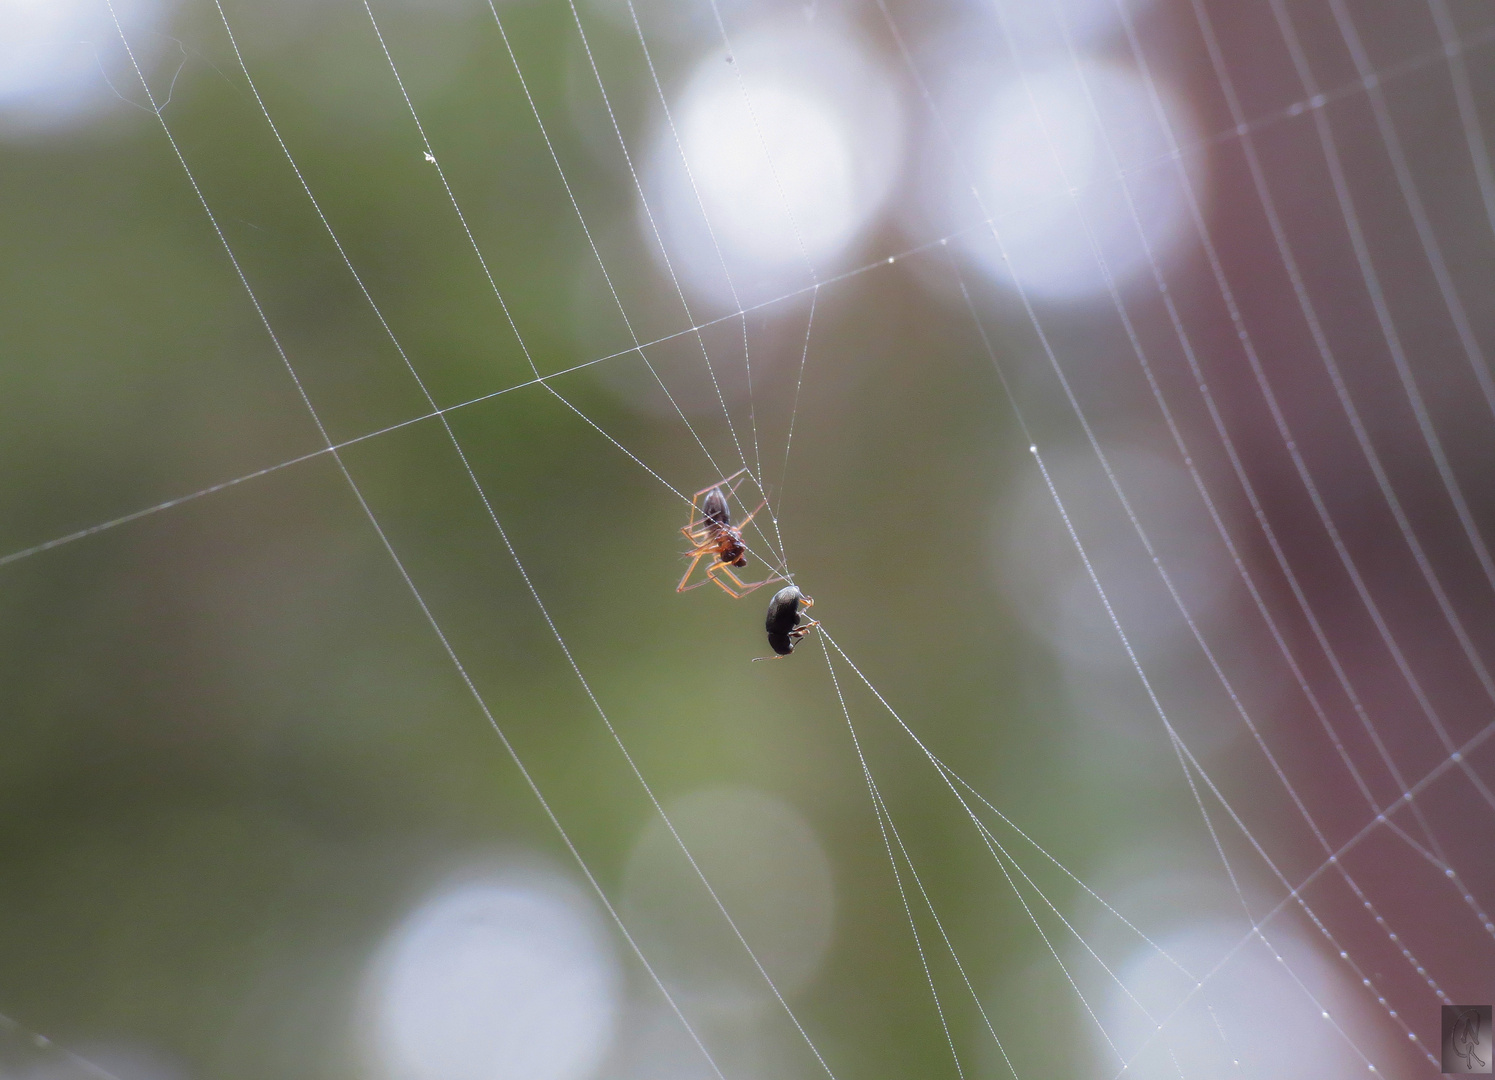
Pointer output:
x,y
714,509
716,523
716,538
782,622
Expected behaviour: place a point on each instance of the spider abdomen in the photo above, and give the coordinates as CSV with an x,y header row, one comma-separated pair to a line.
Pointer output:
x,y
715,513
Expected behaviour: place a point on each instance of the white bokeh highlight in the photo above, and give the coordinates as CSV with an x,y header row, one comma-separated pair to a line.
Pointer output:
x,y
500,975
1257,1018
1040,569
787,150
771,873
118,1060
62,63
1073,168
1035,26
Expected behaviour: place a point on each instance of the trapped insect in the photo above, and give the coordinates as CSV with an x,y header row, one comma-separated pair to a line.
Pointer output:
x,y
713,534
783,625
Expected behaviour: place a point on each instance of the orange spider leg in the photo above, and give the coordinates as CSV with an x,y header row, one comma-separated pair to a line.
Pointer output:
x,y
741,525
746,587
710,537
731,483
724,568
705,544
696,527
696,556
697,519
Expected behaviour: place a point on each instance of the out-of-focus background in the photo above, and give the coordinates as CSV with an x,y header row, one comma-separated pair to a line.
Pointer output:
x,y
384,762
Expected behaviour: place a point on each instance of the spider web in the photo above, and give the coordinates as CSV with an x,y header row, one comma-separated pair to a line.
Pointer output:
x,y
1365,889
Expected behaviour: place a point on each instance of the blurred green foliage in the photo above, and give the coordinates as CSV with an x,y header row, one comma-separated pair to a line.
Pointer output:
x,y
235,750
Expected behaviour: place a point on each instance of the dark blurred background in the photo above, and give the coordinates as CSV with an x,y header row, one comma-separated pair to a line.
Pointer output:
x,y
1232,261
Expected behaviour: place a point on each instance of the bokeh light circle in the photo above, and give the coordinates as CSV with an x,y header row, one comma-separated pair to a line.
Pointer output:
x,y
1259,1017
787,149
503,976
768,868
61,61
1034,26
1075,170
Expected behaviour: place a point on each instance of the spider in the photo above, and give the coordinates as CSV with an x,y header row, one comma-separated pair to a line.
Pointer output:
x,y
713,534
783,625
